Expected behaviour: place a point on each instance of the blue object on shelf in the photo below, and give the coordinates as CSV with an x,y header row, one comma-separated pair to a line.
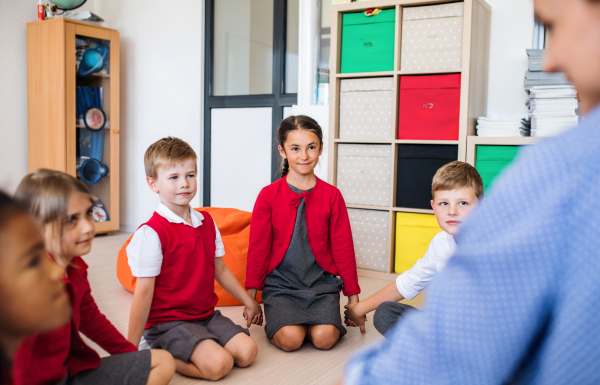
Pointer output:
x,y
93,59
91,144
92,171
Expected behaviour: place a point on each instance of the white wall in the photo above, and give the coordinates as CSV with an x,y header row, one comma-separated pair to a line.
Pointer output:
x,y
240,156
511,34
161,89
14,15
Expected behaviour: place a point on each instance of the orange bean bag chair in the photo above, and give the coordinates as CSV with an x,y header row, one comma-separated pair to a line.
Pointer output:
x,y
234,226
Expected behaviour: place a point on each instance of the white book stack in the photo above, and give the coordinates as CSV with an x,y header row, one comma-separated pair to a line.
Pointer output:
x,y
552,109
498,127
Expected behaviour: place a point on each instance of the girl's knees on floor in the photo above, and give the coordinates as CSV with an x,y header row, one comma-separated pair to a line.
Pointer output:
x,y
290,338
323,336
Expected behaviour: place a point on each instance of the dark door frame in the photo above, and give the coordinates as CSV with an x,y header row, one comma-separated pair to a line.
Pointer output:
x,y
277,100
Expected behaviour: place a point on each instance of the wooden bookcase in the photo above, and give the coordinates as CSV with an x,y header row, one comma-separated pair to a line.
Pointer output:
x,y
51,99
473,93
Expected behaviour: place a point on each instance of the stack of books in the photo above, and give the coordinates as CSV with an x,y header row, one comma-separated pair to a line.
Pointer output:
x,y
552,99
498,127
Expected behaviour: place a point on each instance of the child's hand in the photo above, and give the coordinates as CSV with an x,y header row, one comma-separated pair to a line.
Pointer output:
x,y
253,314
354,317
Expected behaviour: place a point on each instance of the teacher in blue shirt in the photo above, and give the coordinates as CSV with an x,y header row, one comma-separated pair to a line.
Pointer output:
x,y
519,302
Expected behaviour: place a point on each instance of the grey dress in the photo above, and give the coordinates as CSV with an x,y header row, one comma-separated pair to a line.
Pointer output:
x,y
299,291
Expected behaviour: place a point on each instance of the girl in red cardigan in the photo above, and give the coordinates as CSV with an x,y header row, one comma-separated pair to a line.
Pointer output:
x,y
33,298
63,208
300,242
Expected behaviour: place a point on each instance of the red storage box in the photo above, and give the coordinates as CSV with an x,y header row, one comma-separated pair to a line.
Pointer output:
x,y
429,107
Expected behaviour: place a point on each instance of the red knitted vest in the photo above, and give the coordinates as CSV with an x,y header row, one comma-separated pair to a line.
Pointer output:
x,y
185,288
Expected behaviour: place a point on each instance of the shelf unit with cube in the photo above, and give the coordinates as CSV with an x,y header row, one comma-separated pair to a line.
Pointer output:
x,y
491,155
406,86
57,136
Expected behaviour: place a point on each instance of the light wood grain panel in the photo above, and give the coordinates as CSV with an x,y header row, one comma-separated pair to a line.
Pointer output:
x,y
419,141
92,31
70,105
364,74
428,72
411,210
392,252
362,6
334,97
115,115
46,136
474,141
465,80
398,38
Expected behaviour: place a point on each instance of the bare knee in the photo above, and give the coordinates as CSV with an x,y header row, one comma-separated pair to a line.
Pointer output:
x,y
289,339
212,360
324,336
216,366
162,367
247,354
243,349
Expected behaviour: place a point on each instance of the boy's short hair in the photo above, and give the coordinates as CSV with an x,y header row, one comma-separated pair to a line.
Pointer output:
x,y
167,151
455,175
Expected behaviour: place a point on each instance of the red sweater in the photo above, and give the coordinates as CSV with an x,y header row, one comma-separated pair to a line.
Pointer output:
x,y
45,358
327,224
185,288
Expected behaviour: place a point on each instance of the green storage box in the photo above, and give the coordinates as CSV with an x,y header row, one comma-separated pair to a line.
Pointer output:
x,y
491,160
368,42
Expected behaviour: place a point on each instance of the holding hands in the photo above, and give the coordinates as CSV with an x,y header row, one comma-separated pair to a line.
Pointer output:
x,y
252,311
253,314
353,315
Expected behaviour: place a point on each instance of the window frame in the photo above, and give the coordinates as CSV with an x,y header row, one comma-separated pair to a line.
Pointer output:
x,y
277,100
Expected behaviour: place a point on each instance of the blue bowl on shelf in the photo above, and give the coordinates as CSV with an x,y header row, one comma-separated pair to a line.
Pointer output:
x,y
92,171
93,59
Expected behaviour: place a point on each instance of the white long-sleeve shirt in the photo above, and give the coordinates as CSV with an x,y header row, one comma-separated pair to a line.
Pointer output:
x,y
413,281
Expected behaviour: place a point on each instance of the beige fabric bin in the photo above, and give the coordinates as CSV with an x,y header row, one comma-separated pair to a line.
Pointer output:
x,y
371,235
432,37
364,173
367,109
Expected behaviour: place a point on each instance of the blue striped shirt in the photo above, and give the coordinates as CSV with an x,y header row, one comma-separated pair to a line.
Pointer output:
x,y
517,303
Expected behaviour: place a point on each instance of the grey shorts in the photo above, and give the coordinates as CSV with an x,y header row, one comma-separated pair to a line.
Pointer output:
x,y
181,337
119,369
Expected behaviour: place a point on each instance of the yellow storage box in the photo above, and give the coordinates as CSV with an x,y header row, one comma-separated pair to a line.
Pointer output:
x,y
413,234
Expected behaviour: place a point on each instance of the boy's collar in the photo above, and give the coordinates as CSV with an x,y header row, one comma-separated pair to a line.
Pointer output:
x,y
170,216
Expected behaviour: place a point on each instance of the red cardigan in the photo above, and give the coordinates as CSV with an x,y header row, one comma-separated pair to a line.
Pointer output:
x,y
327,224
45,358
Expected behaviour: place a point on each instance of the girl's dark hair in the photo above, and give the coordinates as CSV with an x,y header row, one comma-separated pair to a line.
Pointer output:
x,y
298,122
9,208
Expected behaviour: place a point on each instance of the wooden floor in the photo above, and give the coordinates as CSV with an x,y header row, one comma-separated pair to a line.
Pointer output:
x,y
272,366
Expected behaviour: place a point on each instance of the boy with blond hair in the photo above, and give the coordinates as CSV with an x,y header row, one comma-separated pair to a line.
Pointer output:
x,y
176,257
456,190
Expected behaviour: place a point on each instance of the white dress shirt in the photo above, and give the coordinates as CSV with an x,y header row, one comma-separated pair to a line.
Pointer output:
x,y
144,252
413,281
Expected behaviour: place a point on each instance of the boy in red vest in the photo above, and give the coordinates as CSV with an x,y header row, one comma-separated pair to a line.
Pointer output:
x,y
176,257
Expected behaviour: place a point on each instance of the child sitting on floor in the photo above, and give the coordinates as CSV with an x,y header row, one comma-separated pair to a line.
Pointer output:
x,y
300,241
33,298
456,190
176,257
62,206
